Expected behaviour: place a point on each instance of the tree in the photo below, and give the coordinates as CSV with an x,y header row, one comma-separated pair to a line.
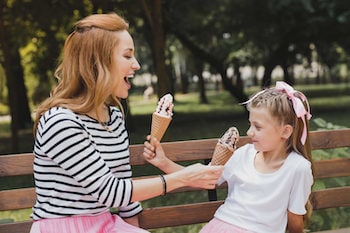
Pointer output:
x,y
10,43
154,17
20,22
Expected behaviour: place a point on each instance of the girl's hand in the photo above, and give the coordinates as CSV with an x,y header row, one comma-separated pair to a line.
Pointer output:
x,y
155,155
154,152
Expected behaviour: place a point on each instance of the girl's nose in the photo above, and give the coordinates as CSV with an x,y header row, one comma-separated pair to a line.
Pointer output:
x,y
249,132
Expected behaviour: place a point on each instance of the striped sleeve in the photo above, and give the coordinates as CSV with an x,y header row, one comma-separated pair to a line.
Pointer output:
x,y
62,137
130,210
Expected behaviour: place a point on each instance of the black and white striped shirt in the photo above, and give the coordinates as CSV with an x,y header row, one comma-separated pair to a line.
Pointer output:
x,y
80,168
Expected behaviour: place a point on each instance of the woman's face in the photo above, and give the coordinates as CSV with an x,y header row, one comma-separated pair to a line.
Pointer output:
x,y
124,65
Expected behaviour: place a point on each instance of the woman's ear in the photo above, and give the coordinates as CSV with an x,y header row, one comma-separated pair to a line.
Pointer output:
x,y
287,131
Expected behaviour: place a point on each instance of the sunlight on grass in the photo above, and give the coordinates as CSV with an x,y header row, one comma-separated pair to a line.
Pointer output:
x,y
15,215
188,103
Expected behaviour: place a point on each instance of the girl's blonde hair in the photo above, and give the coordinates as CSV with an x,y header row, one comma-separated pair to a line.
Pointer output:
x,y
84,78
278,102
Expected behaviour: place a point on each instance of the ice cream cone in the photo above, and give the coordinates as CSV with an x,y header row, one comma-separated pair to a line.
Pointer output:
x,y
159,125
225,147
221,155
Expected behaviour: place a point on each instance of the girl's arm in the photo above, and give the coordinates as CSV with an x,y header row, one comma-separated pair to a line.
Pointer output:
x,y
295,223
133,220
156,156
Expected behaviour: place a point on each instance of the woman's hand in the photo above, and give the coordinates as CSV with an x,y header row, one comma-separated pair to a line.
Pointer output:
x,y
200,176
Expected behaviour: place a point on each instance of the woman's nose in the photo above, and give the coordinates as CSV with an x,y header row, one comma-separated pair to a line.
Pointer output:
x,y
135,65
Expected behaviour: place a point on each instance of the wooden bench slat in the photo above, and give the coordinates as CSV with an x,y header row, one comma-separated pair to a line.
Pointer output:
x,y
16,164
21,164
16,227
325,140
331,198
15,199
342,230
332,168
170,216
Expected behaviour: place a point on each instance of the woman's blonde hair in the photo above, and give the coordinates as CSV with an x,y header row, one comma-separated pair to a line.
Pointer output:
x,y
83,75
280,105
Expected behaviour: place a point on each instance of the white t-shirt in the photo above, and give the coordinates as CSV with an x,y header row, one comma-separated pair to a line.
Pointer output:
x,y
259,201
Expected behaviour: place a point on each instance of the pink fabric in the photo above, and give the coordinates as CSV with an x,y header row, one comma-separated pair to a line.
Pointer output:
x,y
103,223
216,225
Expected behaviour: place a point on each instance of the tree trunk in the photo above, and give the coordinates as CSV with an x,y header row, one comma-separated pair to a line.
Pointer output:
x,y
155,21
17,93
199,69
266,81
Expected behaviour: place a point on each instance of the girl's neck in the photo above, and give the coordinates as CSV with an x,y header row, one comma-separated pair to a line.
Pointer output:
x,y
267,162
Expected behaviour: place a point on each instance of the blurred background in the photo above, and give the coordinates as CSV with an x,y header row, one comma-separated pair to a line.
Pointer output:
x,y
211,55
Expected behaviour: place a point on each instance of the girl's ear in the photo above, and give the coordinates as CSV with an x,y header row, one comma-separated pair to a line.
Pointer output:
x,y
287,131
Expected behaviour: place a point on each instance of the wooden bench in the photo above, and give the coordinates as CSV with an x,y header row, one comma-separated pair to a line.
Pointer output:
x,y
184,214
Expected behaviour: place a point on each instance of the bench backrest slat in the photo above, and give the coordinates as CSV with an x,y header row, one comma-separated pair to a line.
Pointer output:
x,y
16,164
15,199
22,164
331,198
17,227
332,168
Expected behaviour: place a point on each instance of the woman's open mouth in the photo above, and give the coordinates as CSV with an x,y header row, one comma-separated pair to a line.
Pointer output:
x,y
126,79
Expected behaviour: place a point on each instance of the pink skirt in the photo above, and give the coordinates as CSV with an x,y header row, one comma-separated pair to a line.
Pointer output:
x,y
103,223
216,225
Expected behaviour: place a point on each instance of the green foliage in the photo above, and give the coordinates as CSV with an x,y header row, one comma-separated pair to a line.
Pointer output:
x,y
336,217
4,109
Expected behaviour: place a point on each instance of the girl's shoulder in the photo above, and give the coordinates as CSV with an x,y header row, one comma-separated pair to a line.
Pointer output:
x,y
298,161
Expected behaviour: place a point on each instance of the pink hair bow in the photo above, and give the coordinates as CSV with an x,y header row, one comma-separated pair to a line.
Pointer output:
x,y
298,105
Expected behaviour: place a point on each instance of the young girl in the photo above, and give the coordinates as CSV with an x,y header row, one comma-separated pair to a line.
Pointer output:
x,y
82,159
269,180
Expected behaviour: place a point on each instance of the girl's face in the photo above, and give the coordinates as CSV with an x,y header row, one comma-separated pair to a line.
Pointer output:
x,y
266,133
124,65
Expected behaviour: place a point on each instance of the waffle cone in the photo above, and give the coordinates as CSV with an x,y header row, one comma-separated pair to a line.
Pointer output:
x,y
159,125
221,155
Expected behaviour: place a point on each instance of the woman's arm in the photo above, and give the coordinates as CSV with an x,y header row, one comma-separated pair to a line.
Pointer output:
x,y
295,223
197,175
